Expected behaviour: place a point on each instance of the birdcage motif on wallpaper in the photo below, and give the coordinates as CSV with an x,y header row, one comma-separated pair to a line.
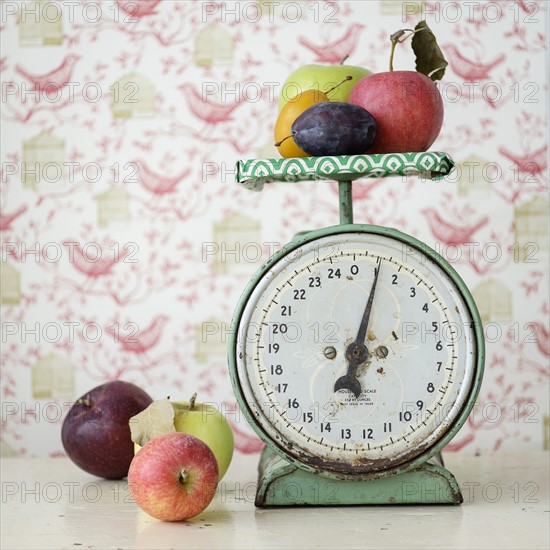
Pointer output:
x,y
41,23
210,340
6,450
10,290
473,176
238,247
531,228
43,162
213,46
289,10
401,7
494,301
113,207
52,376
133,96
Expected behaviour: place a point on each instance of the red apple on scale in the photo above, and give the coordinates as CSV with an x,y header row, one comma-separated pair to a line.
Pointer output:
x,y
95,433
406,105
173,477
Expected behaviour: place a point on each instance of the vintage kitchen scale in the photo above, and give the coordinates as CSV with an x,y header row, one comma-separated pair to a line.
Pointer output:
x,y
356,351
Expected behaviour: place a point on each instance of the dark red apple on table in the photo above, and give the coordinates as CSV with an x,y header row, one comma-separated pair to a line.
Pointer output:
x,y
407,107
96,433
173,477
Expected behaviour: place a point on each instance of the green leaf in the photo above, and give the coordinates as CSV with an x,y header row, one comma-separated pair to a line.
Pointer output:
x,y
429,57
157,419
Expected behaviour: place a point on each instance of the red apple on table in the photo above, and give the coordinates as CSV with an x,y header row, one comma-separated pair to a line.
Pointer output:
x,y
173,477
407,107
95,433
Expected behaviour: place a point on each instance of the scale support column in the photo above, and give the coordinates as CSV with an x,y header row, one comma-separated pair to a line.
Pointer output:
x,y
346,204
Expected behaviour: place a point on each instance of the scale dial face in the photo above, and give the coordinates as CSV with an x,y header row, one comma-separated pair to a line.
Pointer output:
x,y
293,343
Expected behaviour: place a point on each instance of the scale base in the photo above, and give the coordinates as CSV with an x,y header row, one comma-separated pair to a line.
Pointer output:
x,y
283,484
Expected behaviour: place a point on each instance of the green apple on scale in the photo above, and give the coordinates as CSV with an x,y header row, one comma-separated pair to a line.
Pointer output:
x,y
322,78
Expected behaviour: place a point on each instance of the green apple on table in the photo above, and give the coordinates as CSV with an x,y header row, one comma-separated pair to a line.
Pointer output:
x,y
202,420
322,78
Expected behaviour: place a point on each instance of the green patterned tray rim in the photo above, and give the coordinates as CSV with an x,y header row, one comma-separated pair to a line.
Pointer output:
x,y
254,174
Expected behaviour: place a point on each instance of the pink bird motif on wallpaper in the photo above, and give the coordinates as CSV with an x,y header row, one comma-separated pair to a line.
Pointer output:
x,y
86,264
138,9
157,184
143,340
449,233
55,79
530,163
540,334
210,111
7,219
468,69
335,51
528,6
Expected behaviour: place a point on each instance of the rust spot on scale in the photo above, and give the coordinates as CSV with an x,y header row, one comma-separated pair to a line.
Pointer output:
x,y
361,467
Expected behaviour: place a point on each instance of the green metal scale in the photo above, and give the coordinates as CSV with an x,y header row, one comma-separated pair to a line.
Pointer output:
x,y
356,351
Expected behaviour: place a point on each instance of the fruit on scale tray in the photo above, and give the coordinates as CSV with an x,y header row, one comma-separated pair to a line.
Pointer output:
x,y
407,107
292,110
322,78
402,110
334,128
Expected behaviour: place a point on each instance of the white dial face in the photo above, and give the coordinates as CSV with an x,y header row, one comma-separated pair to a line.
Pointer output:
x,y
393,401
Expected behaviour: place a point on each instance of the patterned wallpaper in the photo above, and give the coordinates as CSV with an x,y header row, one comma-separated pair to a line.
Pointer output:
x,y
121,125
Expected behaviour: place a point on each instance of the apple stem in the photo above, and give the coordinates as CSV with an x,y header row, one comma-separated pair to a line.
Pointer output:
x,y
396,38
344,59
339,84
86,401
284,139
393,44
192,401
184,476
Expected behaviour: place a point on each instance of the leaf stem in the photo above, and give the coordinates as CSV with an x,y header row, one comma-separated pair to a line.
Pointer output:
x,y
192,401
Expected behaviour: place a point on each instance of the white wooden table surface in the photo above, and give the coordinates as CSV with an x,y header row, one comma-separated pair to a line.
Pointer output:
x,y
50,503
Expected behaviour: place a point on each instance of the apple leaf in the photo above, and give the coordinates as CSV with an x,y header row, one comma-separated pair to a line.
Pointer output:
x,y
429,57
157,419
